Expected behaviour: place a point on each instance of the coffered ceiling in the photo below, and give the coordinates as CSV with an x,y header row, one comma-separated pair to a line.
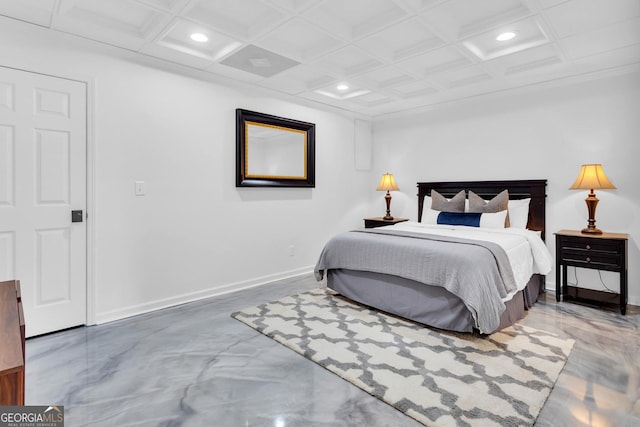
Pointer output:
x,y
372,57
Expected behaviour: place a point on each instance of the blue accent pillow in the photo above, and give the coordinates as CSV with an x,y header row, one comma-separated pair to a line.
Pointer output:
x,y
471,219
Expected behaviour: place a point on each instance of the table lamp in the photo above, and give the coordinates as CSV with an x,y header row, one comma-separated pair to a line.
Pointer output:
x,y
387,183
592,177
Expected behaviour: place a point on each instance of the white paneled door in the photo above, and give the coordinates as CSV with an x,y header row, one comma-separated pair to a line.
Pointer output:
x,y
43,140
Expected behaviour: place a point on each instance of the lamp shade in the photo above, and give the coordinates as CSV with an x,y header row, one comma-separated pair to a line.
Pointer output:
x,y
387,183
592,177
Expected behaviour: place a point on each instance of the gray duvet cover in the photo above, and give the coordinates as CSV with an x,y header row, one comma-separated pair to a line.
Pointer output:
x,y
477,272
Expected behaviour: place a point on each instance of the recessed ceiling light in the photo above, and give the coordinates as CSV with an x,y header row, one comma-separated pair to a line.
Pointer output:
x,y
342,87
506,36
199,37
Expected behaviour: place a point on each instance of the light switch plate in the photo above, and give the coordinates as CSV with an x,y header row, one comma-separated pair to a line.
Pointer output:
x,y
139,188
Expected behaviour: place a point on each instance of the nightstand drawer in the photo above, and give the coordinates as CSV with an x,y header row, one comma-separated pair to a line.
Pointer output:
x,y
591,245
596,259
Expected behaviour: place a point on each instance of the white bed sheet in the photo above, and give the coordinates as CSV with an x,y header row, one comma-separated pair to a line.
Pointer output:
x,y
526,251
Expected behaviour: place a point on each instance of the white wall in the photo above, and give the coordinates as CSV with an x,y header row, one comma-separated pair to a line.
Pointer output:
x,y
543,134
194,233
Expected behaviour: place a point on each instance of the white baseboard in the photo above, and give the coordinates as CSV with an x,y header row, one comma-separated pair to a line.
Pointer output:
x,y
150,306
551,288
135,310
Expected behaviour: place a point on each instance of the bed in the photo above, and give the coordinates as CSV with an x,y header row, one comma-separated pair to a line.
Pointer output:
x,y
410,287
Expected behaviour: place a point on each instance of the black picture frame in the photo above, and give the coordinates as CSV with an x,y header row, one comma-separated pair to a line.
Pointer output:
x,y
302,132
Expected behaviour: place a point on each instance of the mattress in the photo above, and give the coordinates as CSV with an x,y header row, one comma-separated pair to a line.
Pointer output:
x,y
525,249
418,300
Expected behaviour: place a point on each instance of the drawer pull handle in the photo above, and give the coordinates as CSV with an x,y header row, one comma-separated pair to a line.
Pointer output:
x,y
588,247
588,259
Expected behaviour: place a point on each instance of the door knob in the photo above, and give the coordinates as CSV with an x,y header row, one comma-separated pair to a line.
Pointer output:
x,y
76,216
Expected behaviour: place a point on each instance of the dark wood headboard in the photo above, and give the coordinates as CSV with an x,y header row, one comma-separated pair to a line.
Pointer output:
x,y
518,189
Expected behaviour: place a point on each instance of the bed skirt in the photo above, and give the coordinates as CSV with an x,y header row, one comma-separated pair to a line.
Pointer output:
x,y
430,305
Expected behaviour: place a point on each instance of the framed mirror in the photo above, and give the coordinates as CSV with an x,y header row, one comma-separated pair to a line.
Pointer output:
x,y
273,151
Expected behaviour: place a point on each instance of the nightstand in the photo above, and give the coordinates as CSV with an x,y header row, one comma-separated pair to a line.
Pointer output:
x,y
606,251
381,222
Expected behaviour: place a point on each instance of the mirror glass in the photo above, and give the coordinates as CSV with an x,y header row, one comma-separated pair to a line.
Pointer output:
x,y
275,152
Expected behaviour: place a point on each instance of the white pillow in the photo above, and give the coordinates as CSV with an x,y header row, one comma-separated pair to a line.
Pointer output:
x,y
493,219
519,213
429,216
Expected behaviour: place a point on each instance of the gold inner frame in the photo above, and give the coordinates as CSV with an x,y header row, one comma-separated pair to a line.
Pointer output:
x,y
282,128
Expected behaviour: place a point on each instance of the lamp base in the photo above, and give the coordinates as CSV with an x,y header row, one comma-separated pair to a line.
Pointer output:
x,y
593,230
387,199
592,202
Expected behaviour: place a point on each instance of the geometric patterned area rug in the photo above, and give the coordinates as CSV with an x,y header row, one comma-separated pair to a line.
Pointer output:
x,y
437,377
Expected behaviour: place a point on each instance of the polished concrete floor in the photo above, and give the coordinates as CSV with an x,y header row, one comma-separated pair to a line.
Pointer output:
x,y
193,365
